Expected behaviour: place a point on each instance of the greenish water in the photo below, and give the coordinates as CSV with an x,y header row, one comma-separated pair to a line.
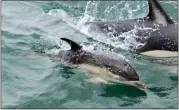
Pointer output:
x,y
31,79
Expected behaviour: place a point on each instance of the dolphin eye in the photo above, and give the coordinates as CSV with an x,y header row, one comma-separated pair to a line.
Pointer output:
x,y
125,64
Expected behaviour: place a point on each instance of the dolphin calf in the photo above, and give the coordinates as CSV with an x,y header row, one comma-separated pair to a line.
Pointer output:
x,y
99,68
157,31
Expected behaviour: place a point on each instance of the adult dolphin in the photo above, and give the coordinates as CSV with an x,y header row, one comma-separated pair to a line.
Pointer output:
x,y
99,68
156,31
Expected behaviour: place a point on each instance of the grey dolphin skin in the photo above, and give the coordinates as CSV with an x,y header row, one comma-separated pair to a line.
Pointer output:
x,y
99,66
164,37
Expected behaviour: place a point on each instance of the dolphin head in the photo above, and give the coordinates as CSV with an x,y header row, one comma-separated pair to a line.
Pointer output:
x,y
127,72
124,73
121,68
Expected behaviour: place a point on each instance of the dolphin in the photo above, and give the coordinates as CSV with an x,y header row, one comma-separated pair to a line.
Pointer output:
x,y
157,31
100,68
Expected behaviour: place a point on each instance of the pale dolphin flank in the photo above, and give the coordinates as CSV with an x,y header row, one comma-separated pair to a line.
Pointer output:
x,y
100,68
164,36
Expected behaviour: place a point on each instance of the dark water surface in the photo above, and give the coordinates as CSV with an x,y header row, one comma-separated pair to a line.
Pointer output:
x,y
31,79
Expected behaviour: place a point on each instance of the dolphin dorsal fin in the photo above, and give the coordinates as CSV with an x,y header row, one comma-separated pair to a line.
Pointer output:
x,y
157,13
74,46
